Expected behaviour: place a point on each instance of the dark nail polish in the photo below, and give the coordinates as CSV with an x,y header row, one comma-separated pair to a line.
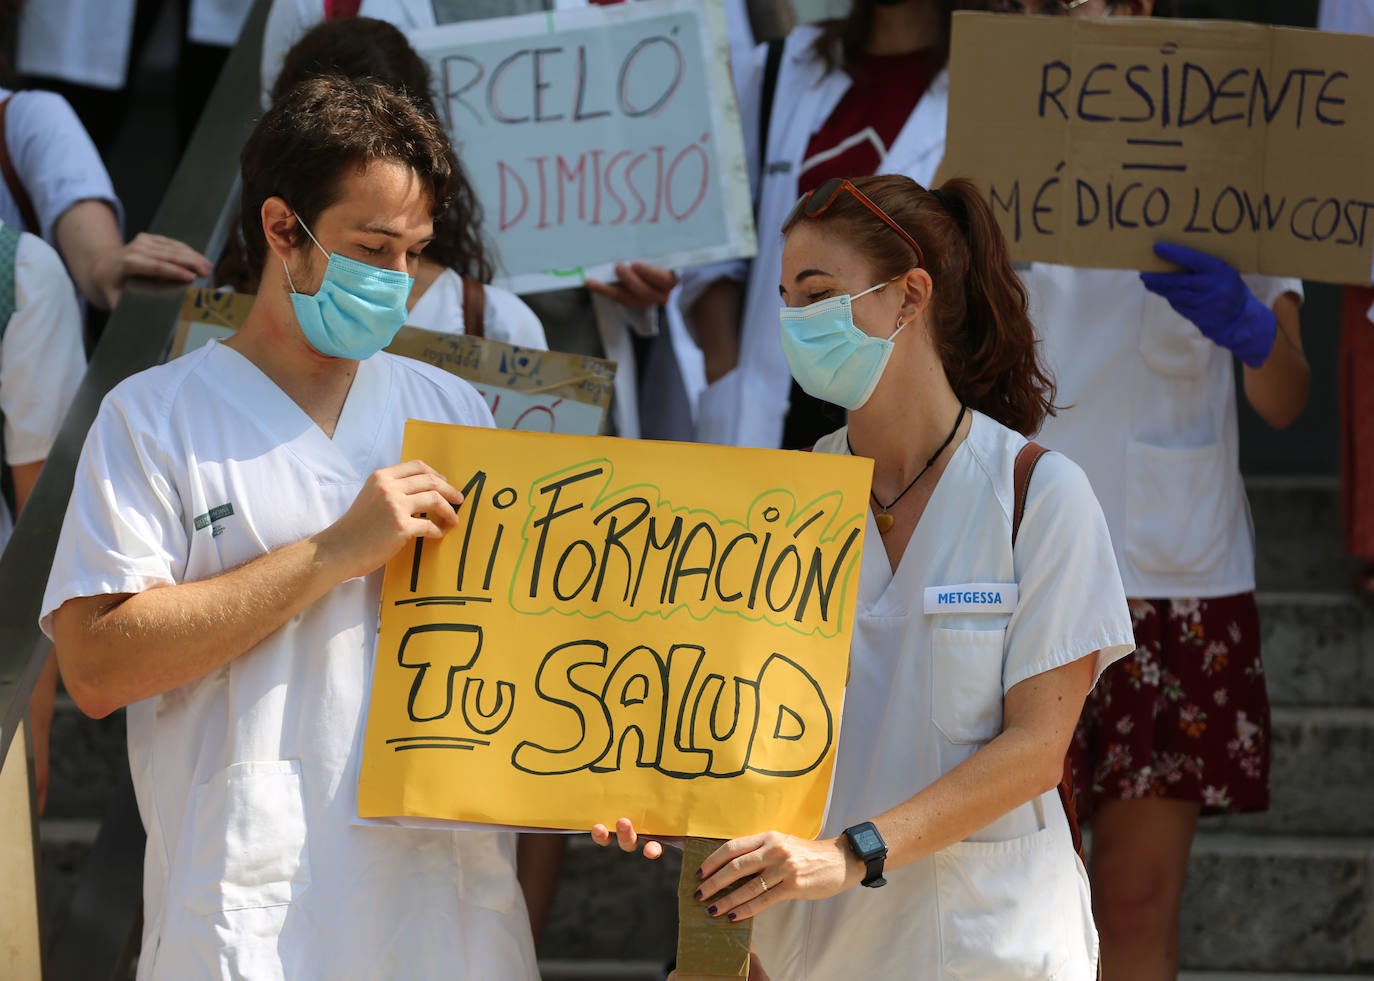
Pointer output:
x,y
699,875
710,911
697,895
730,917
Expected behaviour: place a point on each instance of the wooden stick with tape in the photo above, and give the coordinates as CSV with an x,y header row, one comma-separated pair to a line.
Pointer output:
x,y
709,948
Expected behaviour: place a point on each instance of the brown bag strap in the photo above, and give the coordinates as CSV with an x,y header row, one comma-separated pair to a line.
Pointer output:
x,y
16,186
1021,474
474,308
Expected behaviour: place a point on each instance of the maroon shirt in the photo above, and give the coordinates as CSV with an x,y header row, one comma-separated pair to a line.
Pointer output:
x,y
856,137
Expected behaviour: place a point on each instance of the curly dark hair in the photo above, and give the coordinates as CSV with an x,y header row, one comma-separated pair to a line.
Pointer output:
x,y
363,47
322,129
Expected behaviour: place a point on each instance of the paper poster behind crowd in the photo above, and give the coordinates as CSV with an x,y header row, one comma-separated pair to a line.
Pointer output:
x,y
615,630
1094,139
597,135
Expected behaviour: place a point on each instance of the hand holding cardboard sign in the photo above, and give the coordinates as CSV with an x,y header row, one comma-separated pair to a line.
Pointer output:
x,y
640,285
1213,296
628,839
744,876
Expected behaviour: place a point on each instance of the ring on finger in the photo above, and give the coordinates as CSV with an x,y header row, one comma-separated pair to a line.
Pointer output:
x,y
763,883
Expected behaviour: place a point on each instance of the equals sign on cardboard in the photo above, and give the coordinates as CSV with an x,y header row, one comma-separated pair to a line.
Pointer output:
x,y
1156,144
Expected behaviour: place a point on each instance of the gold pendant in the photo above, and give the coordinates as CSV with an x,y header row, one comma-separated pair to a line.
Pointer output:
x,y
884,521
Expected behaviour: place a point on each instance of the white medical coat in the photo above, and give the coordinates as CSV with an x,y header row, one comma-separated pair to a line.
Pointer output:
x,y
925,693
89,43
256,865
1350,16
1150,414
746,407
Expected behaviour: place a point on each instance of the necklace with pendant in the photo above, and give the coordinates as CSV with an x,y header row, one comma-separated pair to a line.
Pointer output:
x,y
884,518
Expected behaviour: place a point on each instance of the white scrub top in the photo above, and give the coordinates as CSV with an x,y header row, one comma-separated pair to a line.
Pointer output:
x,y
508,318
925,693
1150,414
247,779
41,358
54,158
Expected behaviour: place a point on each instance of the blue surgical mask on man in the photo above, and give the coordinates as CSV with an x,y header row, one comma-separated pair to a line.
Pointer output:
x,y
830,358
356,311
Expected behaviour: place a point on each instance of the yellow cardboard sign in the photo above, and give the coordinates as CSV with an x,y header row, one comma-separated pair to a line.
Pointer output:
x,y
618,628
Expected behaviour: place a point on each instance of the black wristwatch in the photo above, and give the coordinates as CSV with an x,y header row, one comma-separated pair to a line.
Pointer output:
x,y
871,849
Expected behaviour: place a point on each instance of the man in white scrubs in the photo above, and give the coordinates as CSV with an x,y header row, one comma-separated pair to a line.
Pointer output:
x,y
219,573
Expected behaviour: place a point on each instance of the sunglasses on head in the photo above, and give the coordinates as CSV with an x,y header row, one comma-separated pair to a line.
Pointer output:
x,y
815,203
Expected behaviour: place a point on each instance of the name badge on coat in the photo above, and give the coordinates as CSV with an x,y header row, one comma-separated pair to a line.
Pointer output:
x,y
972,597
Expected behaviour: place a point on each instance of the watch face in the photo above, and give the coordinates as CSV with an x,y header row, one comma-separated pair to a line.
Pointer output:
x,y
868,841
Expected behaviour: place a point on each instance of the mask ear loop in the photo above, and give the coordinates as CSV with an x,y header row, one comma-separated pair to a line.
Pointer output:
x,y
901,324
284,266
302,223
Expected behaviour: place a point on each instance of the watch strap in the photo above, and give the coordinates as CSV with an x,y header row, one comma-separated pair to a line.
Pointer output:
x,y
873,859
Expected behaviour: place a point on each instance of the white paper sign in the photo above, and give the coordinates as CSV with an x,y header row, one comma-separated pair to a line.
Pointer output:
x,y
597,135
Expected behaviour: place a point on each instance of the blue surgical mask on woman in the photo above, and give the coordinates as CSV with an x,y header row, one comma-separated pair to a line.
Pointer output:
x,y
830,358
356,311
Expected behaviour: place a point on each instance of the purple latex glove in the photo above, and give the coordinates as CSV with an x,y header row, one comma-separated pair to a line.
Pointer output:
x,y
1213,296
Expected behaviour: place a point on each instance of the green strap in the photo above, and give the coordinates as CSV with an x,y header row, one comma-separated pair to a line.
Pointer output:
x,y
9,249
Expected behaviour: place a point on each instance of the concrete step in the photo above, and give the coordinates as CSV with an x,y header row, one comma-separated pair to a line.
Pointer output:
x,y
1322,782
1279,904
1299,538
1318,648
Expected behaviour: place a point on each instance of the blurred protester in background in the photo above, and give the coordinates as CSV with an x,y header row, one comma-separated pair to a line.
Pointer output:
x,y
857,96
86,50
1145,366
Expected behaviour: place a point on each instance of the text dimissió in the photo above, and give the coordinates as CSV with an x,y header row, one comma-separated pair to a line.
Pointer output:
x,y
546,84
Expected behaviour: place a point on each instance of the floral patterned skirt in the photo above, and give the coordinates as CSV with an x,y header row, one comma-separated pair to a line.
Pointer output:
x,y
1185,717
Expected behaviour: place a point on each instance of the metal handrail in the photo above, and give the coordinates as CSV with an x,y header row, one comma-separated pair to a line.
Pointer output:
x,y
196,209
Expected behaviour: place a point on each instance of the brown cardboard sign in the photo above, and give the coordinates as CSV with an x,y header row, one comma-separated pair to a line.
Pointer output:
x,y
1094,139
525,388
